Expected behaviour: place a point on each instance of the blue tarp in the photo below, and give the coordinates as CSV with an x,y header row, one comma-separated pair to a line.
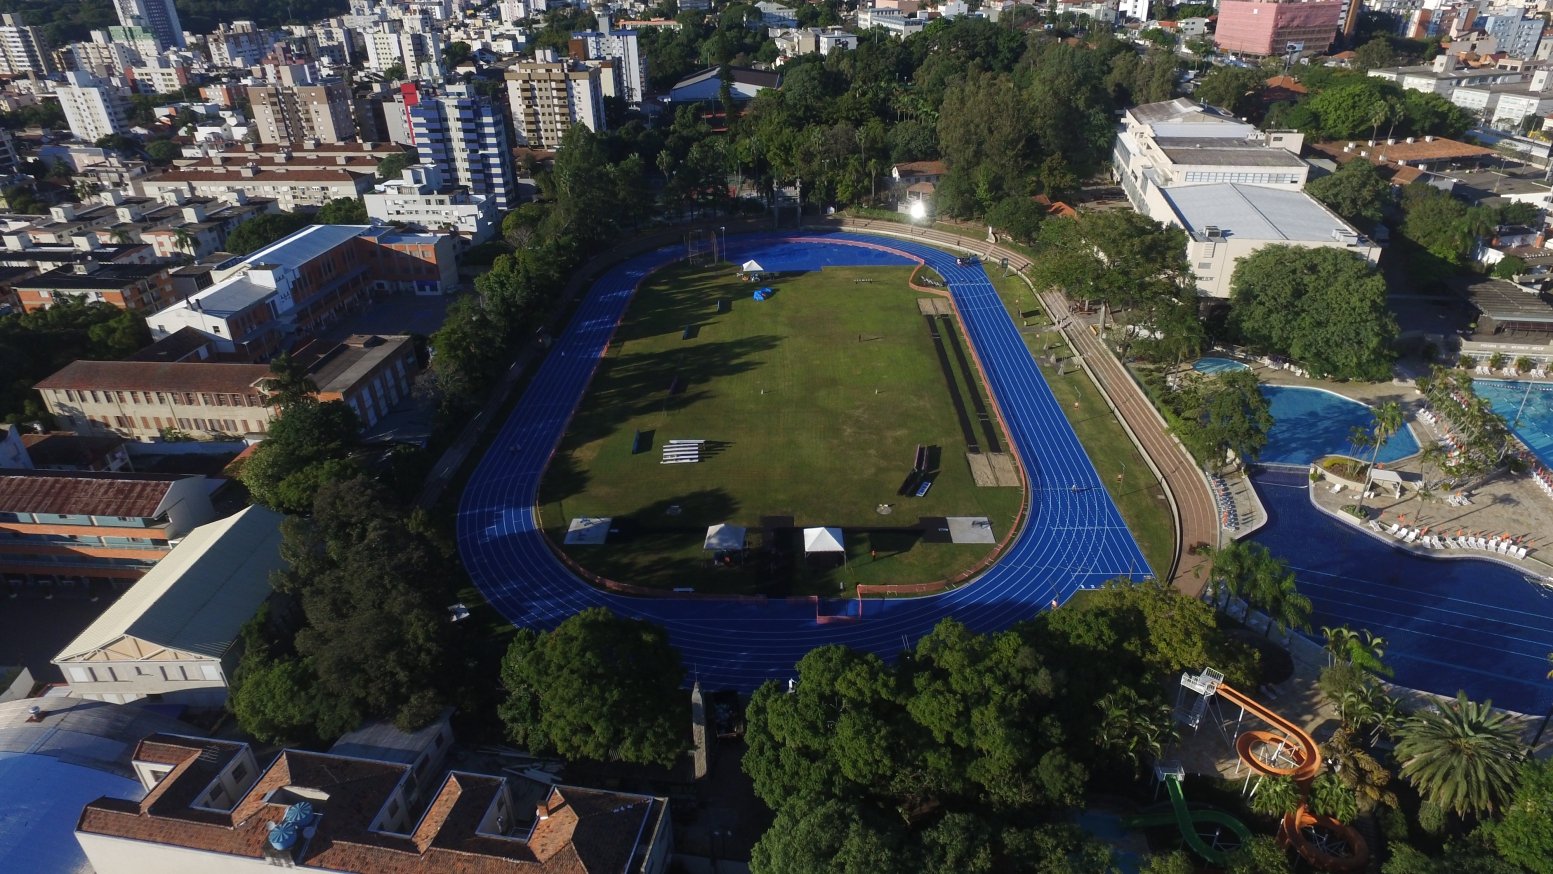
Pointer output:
x,y
762,293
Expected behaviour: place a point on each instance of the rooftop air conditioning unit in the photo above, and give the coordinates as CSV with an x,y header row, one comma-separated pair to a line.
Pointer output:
x,y
1213,232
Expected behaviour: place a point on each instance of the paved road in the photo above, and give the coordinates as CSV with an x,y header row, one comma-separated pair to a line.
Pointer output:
x,y
1197,519
1073,536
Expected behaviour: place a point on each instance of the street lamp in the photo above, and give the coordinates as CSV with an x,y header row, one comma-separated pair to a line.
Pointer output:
x,y
724,247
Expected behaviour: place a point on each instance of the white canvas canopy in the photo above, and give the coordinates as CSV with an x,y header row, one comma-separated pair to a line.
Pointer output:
x,y
752,266
723,536
822,540
588,530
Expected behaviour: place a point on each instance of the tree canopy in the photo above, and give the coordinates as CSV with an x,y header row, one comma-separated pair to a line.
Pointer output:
x,y
1356,192
1224,413
1323,307
308,444
597,686
342,211
262,230
34,345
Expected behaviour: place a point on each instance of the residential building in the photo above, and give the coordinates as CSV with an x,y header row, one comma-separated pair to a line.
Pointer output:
x,y
1515,36
1182,142
893,21
419,200
1227,221
707,85
1263,28
23,50
292,186
75,526
813,40
103,56
1445,74
464,135
239,44
620,46
209,808
285,112
160,17
139,288
151,401
1506,105
547,97
306,282
1132,10
174,633
93,109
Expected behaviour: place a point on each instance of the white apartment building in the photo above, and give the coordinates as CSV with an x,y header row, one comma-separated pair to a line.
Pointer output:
x,y
239,44
420,200
548,96
23,50
1443,75
894,22
620,46
813,40
1181,142
93,109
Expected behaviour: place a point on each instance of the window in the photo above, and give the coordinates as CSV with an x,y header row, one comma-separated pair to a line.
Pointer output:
x,y
205,398
161,398
240,773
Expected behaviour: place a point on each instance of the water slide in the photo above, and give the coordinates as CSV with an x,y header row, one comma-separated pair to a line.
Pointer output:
x,y
1325,843
1186,819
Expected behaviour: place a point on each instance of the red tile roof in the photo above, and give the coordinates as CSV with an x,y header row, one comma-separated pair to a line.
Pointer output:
x,y
585,831
922,168
72,493
185,376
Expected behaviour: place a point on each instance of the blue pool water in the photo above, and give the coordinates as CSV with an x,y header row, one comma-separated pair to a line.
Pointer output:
x,y
1535,424
1309,423
1218,365
1449,624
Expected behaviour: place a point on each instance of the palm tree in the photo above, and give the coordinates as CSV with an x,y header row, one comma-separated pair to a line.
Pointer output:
x,y
1367,778
184,241
1386,421
122,236
1330,796
1337,642
1461,756
1135,727
1280,598
288,383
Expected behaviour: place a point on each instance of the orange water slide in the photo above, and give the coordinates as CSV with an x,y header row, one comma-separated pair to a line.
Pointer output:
x,y
1325,843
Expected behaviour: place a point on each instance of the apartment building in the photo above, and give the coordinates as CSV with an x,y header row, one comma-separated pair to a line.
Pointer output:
x,y
1445,74
300,106
420,200
73,526
93,109
151,401
620,46
1263,28
464,135
813,40
139,288
306,282
23,50
549,96
160,17
174,633
1181,142
209,808
299,186
239,43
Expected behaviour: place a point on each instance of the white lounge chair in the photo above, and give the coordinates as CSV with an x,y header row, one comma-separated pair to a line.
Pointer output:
x,y
1373,525
1394,529
1504,547
1412,535
1452,543
1520,552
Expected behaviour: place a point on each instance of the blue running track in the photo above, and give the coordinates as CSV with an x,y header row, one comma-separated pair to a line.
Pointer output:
x,y
1449,624
1073,536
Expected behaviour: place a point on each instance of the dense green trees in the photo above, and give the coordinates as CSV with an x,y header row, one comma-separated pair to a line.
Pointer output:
x,y
342,211
1480,434
1325,308
262,230
957,753
34,345
308,444
1524,835
1222,414
1237,89
1351,105
1117,257
598,687
1356,192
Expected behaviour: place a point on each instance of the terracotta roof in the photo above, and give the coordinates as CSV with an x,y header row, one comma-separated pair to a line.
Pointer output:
x,y
922,168
1287,84
195,376
268,174
585,831
71,493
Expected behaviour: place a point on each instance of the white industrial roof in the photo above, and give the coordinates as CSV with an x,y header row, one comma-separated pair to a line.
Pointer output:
x,y
1254,212
199,595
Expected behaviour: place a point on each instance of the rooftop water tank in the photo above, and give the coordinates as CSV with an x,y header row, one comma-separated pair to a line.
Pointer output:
x,y
284,836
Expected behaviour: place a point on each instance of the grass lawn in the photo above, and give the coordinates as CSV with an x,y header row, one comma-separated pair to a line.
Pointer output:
x,y
815,402
1126,475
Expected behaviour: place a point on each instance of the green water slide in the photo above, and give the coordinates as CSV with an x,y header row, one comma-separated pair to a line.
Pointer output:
x,y
1186,820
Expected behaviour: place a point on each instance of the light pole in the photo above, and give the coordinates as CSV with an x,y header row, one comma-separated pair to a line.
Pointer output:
x,y
724,247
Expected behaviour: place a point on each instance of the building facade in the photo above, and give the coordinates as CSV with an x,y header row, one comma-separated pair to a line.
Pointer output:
x,y
139,288
464,135
174,633
152,401
159,17
548,97
93,109
620,46
1264,28
23,50
68,526
419,200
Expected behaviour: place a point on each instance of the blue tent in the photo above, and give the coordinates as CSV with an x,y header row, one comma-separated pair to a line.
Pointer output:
x,y
762,293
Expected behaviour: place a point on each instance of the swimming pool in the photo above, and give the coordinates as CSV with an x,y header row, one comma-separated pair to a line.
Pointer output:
x,y
1535,424
1218,365
1311,422
1449,624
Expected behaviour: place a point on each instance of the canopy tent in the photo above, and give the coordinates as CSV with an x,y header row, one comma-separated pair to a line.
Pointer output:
x,y
722,536
1388,478
822,540
588,530
752,266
